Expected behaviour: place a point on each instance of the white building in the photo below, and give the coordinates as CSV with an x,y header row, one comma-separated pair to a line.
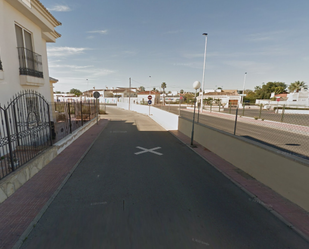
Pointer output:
x,y
227,98
142,97
301,97
25,28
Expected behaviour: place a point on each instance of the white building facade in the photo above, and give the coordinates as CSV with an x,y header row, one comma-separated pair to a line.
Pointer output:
x,y
25,28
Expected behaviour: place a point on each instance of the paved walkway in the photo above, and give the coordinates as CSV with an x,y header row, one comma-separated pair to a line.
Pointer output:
x,y
24,208
29,202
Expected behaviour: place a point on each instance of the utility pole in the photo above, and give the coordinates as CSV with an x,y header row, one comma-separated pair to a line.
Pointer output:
x,y
129,92
204,67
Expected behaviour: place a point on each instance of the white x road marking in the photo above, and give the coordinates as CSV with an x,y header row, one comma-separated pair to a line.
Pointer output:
x,y
148,150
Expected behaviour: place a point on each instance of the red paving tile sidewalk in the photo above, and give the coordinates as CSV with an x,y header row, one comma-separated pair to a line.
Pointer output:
x,y
294,216
19,210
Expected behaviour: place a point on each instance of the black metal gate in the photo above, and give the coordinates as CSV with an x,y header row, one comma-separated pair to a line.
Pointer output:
x,y
25,130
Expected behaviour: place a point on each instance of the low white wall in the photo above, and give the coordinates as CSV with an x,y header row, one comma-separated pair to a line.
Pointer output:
x,y
294,111
167,120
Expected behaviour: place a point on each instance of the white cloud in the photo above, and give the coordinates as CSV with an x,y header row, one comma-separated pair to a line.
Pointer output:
x,y
250,66
102,32
64,51
173,32
60,8
267,36
192,56
68,66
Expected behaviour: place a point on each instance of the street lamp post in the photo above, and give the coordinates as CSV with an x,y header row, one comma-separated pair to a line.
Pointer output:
x,y
196,85
243,92
204,66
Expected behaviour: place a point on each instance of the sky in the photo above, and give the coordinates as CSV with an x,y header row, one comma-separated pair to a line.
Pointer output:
x,y
104,43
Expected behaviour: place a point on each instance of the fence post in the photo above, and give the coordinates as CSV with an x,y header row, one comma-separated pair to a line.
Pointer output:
x,y
9,138
50,128
81,112
97,100
219,105
70,123
16,127
235,121
260,114
89,110
283,108
243,109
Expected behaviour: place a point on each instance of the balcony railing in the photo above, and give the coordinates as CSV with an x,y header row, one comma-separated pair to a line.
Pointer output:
x,y
30,63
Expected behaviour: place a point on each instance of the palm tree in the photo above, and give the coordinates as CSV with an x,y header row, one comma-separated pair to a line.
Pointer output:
x,y
163,86
296,86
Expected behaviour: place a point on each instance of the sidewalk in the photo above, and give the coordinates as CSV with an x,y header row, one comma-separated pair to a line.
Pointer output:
x,y
20,212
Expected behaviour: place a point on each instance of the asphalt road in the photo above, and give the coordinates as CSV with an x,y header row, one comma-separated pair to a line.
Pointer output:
x,y
287,142
299,119
139,187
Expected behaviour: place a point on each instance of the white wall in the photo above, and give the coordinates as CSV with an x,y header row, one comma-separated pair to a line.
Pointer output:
x,y
167,120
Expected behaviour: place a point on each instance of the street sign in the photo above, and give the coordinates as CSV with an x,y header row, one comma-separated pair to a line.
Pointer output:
x,y
96,95
278,99
149,97
149,102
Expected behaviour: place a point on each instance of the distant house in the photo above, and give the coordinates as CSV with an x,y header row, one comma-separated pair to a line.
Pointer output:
x,y
227,98
25,28
111,95
142,97
301,97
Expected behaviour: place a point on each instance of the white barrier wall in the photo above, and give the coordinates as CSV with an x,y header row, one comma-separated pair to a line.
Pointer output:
x,y
167,120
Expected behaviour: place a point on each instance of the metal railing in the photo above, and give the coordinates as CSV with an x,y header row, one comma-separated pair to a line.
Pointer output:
x,y
30,63
72,115
25,130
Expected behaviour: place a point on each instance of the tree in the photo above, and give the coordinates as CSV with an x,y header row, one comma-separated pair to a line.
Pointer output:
x,y
265,91
250,96
181,91
297,85
188,97
163,86
142,89
76,92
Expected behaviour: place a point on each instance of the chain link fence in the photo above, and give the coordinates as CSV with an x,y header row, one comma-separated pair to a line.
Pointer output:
x,y
282,127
